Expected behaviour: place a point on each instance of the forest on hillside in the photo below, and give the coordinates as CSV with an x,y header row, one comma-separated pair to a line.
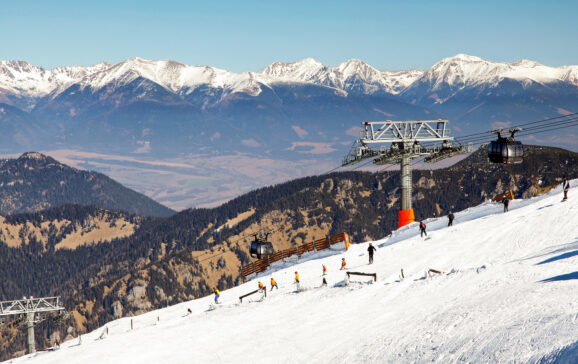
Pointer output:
x,y
362,204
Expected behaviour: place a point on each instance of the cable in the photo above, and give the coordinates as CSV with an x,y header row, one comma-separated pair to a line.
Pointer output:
x,y
517,126
549,124
530,131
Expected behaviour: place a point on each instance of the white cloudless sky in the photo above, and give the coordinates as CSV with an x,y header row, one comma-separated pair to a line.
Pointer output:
x,y
248,35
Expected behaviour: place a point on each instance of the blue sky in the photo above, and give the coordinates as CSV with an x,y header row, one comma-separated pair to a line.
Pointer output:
x,y
248,35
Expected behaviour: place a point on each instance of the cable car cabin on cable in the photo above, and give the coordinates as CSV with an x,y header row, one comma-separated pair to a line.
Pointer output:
x,y
506,150
260,247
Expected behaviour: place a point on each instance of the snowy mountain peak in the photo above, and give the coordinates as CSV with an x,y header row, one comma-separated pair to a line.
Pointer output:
x,y
464,58
25,80
526,63
300,71
356,67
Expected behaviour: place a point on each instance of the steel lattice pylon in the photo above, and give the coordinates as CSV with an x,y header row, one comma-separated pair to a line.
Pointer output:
x,y
405,138
32,311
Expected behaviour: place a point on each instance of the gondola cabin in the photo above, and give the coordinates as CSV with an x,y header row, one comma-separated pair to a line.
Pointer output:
x,y
506,150
261,248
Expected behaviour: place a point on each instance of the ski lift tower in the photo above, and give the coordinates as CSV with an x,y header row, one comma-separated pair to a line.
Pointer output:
x,y
32,311
406,138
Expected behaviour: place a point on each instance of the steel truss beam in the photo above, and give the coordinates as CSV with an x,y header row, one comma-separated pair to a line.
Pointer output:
x,y
405,131
34,311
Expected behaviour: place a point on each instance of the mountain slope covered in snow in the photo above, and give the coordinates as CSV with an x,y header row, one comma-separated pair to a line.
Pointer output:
x,y
299,116
506,293
26,80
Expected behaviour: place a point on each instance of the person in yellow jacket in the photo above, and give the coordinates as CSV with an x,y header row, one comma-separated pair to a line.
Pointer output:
x,y
343,264
324,270
273,284
260,286
296,277
216,291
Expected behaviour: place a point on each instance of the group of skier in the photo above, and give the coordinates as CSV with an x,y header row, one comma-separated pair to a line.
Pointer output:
x,y
371,249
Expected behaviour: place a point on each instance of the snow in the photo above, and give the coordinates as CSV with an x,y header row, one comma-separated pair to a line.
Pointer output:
x,y
507,294
463,70
23,79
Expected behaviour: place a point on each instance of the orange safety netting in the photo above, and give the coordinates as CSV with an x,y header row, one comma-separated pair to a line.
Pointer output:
x,y
405,217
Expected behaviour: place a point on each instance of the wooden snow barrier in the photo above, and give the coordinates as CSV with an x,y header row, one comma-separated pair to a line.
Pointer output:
x,y
262,264
542,190
499,198
431,272
374,275
253,292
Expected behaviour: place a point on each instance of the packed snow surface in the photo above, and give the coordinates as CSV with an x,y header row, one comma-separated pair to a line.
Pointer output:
x,y
507,293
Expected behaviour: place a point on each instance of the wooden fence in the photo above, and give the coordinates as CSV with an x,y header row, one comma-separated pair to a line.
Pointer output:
x,y
264,290
542,190
374,275
260,265
509,194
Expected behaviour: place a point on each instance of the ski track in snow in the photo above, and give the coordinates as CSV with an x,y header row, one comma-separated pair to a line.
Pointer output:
x,y
507,294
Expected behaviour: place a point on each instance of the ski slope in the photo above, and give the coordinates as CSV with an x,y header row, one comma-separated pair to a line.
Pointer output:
x,y
508,294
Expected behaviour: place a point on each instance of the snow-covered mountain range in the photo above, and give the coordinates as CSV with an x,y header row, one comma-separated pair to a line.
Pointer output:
x,y
493,288
22,79
305,113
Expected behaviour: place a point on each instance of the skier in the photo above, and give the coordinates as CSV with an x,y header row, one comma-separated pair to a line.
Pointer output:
x,y
273,284
371,249
565,187
506,202
324,270
422,229
216,291
260,286
451,219
343,264
296,277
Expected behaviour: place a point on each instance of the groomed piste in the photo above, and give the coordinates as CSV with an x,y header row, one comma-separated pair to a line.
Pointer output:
x,y
493,288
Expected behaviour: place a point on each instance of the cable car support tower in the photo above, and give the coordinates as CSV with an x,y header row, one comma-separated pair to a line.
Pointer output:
x,y
406,138
32,311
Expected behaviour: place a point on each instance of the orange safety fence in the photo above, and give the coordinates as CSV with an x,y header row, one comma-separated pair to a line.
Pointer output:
x,y
260,265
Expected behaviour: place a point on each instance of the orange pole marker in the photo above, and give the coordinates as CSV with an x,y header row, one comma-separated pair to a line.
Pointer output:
x,y
405,217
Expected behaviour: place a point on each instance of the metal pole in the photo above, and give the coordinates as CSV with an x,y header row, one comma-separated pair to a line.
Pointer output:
x,y
406,183
30,327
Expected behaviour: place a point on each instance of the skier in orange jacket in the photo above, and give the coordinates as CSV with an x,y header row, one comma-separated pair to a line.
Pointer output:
x,y
324,270
273,284
343,264
296,277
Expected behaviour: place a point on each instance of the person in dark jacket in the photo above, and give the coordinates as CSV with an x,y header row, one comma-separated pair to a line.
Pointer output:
x,y
371,250
451,219
565,187
506,202
422,229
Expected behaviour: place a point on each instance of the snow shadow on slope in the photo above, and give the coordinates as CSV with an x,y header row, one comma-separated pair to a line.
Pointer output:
x,y
559,257
566,355
561,277
566,249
